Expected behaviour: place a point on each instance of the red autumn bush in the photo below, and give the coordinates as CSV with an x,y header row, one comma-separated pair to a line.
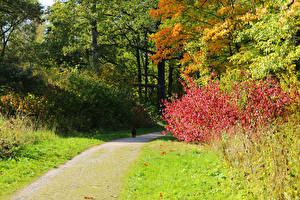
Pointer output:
x,y
262,102
204,112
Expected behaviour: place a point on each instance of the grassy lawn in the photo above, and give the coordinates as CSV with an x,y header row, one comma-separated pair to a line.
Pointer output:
x,y
168,169
35,159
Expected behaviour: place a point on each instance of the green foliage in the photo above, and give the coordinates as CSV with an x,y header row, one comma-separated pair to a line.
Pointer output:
x,y
270,45
16,18
98,105
77,102
15,79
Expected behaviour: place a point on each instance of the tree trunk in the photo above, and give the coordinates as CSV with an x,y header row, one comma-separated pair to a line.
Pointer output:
x,y
146,72
170,80
95,40
138,60
146,63
161,91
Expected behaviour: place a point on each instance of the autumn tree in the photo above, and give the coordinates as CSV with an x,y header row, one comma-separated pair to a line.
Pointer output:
x,y
220,35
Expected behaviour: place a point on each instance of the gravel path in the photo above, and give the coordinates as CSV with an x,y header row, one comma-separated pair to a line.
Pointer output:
x,y
97,173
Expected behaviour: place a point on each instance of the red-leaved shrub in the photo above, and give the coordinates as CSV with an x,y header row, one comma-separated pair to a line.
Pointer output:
x,y
204,112
262,102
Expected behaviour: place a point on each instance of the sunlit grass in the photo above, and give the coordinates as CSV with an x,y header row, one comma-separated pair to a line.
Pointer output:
x,y
169,169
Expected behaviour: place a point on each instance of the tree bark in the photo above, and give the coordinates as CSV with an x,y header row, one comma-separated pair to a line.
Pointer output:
x,y
170,80
95,40
146,66
138,60
161,91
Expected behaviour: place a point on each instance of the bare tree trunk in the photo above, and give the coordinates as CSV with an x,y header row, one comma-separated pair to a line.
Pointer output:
x,y
170,80
138,60
161,89
95,40
146,66
146,77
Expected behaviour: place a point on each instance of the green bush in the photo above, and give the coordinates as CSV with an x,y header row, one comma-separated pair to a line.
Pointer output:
x,y
75,101
19,80
91,103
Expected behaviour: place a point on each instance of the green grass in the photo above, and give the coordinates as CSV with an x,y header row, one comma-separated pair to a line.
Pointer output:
x,y
183,172
34,159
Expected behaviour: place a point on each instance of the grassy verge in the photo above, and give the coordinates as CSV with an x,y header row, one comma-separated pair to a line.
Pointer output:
x,y
168,169
34,159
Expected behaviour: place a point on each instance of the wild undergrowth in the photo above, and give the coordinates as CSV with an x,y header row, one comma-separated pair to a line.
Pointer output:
x,y
74,101
15,133
265,162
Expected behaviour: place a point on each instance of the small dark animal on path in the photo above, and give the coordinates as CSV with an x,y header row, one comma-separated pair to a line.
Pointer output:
x,y
133,132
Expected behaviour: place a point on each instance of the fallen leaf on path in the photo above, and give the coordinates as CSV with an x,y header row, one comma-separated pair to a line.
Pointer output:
x,y
89,197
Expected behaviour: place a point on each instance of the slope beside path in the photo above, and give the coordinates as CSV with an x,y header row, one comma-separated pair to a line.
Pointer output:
x,y
96,173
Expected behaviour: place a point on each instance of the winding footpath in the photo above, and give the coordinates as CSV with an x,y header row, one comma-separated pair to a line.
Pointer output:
x,y
96,173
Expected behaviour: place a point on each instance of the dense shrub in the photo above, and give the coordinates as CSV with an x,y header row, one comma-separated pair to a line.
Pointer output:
x,y
200,114
261,102
74,102
207,111
16,79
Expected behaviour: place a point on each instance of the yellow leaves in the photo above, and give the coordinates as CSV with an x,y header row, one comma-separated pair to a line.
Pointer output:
x,y
224,10
289,13
293,9
248,17
281,21
176,30
261,11
219,31
296,5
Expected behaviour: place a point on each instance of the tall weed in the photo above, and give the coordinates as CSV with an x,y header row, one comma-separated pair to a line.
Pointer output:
x,y
17,132
265,163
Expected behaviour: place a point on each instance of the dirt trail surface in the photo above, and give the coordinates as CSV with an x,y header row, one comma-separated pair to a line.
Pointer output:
x,y
96,173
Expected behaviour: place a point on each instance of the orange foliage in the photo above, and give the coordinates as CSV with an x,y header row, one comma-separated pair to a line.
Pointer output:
x,y
209,22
